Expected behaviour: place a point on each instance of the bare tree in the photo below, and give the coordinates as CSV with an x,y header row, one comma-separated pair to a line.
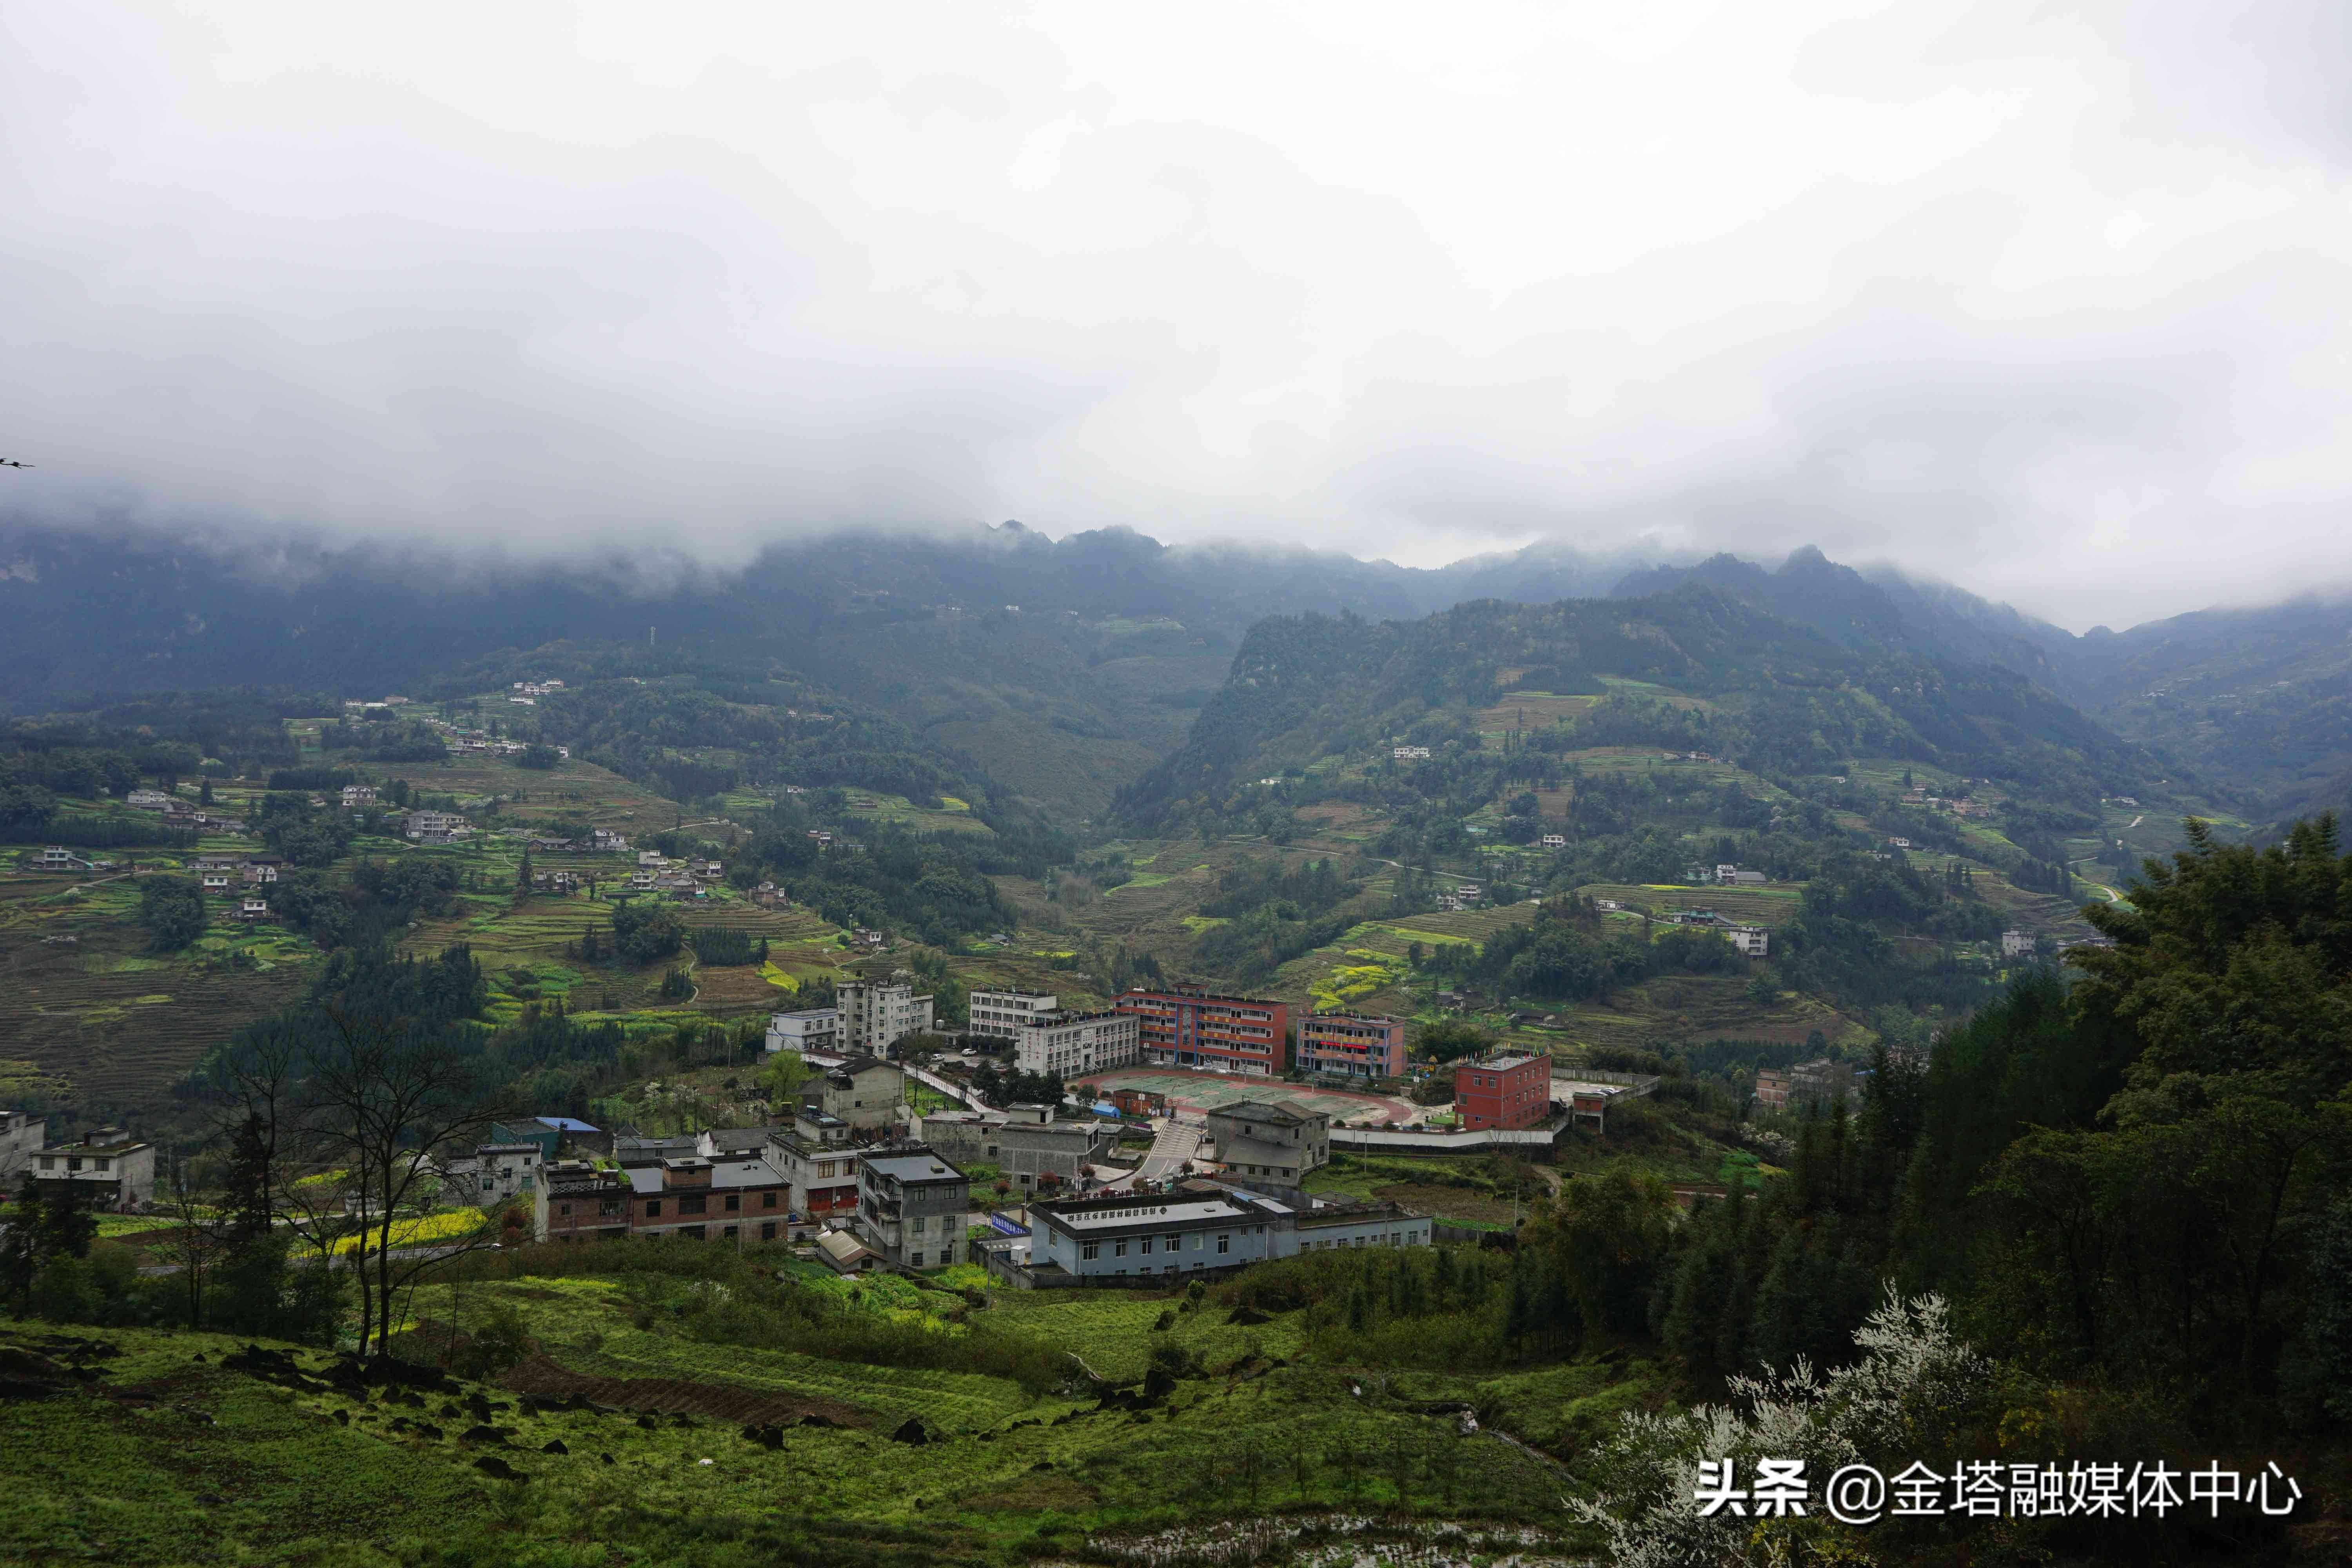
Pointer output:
x,y
200,1236
381,1104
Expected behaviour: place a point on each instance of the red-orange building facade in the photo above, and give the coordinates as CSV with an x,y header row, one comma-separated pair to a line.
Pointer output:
x,y
1188,1028
1509,1090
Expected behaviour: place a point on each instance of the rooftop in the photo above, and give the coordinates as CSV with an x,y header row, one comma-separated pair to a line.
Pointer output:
x,y
1276,1112
913,1168
1505,1062
1094,1214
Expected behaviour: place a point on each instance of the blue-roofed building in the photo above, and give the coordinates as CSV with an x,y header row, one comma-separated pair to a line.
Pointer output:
x,y
567,1134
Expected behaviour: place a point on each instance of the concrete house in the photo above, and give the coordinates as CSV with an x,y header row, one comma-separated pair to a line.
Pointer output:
x,y
1281,1142
863,1092
809,1029
912,1205
877,1013
21,1135
1029,1151
817,1159
108,1169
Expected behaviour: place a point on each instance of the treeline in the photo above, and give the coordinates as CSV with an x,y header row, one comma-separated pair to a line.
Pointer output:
x,y
1568,953
380,737
2130,1189
719,947
1272,915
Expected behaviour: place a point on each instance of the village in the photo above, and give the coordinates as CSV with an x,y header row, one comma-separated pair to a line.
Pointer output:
x,y
1189,1125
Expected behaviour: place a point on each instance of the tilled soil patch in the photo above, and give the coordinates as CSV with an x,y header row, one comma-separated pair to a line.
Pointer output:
x,y
720,1401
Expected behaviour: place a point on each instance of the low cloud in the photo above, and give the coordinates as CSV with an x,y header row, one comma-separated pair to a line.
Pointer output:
x,y
2046,303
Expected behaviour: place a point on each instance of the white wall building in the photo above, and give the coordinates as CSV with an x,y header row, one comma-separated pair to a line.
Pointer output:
x,y
876,1015
1753,941
809,1029
21,1135
1004,1014
1077,1044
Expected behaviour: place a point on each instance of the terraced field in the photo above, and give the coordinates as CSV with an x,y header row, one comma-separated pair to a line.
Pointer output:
x,y
534,934
1766,906
1532,710
84,1004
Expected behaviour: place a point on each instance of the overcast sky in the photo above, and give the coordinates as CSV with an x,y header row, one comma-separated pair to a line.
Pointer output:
x,y
2045,298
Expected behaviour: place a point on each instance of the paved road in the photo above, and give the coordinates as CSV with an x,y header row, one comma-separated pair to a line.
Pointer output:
x,y
1172,1143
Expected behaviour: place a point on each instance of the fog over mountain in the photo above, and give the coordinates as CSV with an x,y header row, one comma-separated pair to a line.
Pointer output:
x,y
2041,301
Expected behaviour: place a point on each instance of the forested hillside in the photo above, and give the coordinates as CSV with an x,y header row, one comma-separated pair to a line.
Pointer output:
x,y
1780,696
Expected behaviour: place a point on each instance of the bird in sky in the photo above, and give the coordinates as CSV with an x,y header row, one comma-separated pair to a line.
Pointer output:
x,y
13,463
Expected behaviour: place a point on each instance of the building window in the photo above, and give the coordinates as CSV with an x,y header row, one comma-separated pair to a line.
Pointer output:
x,y
768,1230
1143,1245
917,1224
1119,1249
693,1205
917,1260
729,1231
767,1200
1224,1242
693,1232
1195,1242
567,1208
652,1208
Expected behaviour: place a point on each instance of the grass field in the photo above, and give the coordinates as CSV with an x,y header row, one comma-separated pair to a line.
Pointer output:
x,y
172,1458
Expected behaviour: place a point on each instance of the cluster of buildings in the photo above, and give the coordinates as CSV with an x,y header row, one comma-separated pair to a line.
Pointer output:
x,y
1807,1083
868,1016
1756,941
1960,808
106,1170
599,841
183,815
1189,1028
687,877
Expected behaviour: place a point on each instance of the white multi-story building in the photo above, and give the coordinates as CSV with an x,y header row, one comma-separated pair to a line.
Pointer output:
x,y
21,1135
1073,1044
2017,944
809,1030
1002,1015
876,1014
1753,941
1119,1241
109,1169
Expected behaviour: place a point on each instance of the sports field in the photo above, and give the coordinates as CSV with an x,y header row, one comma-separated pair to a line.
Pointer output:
x,y
1216,1091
